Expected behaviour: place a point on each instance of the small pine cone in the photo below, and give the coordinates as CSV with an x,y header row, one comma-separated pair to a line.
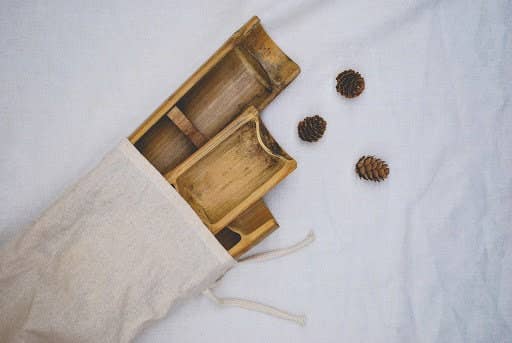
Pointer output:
x,y
350,83
372,168
312,129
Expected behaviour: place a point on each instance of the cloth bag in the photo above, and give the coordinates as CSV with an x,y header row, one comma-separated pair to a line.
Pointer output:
x,y
114,253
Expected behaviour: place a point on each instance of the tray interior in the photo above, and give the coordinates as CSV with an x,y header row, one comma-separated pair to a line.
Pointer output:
x,y
231,171
213,102
225,92
248,229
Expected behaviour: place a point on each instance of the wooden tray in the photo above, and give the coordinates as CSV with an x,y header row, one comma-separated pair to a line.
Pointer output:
x,y
248,70
232,171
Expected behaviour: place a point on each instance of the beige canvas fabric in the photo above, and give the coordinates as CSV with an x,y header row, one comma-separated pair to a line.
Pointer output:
x,y
113,254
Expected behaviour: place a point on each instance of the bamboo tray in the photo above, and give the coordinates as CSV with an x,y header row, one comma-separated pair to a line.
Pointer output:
x,y
248,70
232,171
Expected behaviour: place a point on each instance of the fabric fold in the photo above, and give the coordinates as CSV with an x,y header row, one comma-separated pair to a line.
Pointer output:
x,y
114,253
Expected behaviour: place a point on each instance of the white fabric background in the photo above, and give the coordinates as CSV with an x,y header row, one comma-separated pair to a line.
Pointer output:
x,y
424,257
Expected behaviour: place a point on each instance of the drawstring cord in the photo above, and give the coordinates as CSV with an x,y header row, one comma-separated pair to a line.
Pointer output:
x,y
254,305
272,254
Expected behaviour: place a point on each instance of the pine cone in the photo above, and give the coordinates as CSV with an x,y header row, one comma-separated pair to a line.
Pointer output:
x,y
350,83
372,168
312,129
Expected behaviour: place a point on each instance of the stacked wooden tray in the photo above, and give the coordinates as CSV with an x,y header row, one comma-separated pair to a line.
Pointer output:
x,y
207,138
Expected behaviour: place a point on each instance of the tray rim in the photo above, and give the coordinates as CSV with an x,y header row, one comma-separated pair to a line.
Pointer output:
x,y
289,164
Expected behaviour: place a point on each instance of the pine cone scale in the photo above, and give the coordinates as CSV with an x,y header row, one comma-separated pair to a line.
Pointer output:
x,y
311,129
372,168
350,83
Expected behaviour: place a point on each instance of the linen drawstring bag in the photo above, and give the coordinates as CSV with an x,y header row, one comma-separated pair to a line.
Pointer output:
x,y
109,257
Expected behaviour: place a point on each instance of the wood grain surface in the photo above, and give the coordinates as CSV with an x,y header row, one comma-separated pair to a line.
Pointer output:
x,y
248,70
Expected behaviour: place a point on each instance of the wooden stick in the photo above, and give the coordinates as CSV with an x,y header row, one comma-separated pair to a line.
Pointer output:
x,y
186,126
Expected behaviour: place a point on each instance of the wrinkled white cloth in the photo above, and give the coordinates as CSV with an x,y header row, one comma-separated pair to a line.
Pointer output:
x,y
112,255
425,256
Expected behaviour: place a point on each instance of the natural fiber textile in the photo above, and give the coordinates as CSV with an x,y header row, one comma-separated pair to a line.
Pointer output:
x,y
112,254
